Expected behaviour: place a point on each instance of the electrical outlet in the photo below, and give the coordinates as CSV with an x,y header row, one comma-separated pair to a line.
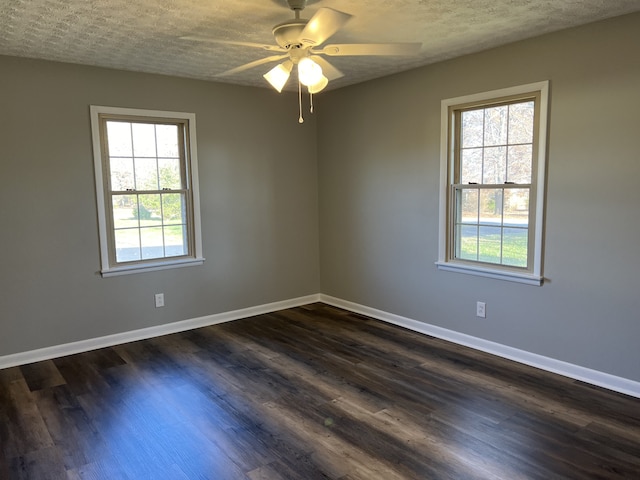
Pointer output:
x,y
159,300
481,309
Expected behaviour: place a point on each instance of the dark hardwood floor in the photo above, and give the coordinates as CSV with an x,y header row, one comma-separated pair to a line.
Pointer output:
x,y
308,393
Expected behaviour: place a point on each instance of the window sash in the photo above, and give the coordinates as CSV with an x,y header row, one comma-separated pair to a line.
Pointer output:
x,y
457,222
187,242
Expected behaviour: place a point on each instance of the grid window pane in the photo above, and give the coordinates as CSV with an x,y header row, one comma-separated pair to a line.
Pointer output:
x,y
472,128
119,139
122,176
495,125
146,173
521,122
173,208
515,246
149,210
516,207
167,141
144,140
169,175
469,206
495,165
491,206
489,244
471,165
125,211
467,242
152,242
127,245
520,158
175,238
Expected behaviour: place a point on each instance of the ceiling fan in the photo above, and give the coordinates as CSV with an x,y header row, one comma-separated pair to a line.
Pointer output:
x,y
299,44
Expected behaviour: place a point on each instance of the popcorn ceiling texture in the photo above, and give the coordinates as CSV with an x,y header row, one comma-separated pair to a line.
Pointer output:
x,y
143,35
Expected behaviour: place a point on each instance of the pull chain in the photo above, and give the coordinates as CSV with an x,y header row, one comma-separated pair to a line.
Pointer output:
x,y
311,101
300,119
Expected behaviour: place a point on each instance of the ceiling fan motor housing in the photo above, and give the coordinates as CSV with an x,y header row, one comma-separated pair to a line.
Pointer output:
x,y
287,34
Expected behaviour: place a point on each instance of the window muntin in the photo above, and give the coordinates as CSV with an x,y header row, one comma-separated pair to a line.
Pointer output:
x,y
493,156
147,182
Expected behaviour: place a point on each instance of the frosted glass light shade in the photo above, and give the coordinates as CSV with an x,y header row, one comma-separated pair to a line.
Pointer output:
x,y
279,75
319,86
309,72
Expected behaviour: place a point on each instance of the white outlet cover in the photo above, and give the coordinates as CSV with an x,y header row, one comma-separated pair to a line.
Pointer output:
x,y
159,300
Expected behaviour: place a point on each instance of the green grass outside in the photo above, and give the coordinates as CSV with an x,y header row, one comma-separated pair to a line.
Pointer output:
x,y
488,248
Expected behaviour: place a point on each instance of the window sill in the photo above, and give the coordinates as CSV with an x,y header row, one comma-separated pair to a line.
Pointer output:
x,y
526,278
151,267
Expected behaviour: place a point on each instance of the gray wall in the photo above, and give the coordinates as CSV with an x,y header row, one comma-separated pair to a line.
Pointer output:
x,y
379,172
258,188
372,160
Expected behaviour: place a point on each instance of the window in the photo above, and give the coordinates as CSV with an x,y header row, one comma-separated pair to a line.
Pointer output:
x,y
492,183
147,189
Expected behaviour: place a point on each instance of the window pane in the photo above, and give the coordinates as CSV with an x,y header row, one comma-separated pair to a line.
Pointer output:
x,y
125,211
489,244
144,140
519,164
469,206
514,247
175,237
516,207
127,245
471,171
121,173
119,139
169,170
472,128
149,211
146,174
521,122
173,208
495,165
491,206
151,242
467,242
495,126
167,140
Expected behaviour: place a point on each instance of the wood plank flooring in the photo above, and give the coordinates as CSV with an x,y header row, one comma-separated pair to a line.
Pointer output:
x,y
308,393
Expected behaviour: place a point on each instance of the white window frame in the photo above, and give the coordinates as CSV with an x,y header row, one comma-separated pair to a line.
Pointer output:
x,y
108,269
446,261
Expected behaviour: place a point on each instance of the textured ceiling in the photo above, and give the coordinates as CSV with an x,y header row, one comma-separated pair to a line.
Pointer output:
x,y
144,35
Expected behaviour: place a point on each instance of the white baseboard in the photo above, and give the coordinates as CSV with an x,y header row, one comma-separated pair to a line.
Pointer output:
x,y
594,377
48,353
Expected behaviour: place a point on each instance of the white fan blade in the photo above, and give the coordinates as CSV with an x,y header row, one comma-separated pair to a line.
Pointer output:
x,y
328,70
270,48
322,25
377,49
255,63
